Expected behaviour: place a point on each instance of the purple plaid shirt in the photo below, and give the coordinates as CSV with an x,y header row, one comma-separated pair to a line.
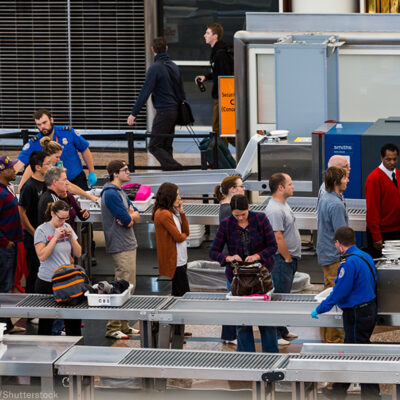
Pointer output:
x,y
261,241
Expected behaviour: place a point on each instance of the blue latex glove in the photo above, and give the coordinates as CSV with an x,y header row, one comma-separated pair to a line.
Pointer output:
x,y
92,179
314,313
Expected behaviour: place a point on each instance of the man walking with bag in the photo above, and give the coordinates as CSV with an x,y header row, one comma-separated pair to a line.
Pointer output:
x,y
159,83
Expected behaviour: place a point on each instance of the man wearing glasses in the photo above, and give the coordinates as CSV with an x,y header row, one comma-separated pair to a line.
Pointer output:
x,y
56,183
119,215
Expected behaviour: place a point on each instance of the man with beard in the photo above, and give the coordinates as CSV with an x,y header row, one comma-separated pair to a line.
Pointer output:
x,y
72,143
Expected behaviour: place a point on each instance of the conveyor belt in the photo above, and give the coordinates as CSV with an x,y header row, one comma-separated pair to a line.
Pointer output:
x,y
164,363
303,208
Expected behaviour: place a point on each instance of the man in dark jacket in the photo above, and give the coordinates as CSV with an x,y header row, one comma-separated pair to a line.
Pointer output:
x,y
159,82
221,61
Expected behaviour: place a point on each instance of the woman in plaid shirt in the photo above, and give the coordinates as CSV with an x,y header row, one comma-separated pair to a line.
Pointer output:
x,y
250,238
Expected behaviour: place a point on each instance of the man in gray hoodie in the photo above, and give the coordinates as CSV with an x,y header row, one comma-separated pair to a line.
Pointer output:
x,y
119,215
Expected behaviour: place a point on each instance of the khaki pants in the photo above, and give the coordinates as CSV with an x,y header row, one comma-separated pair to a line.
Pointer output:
x,y
125,268
331,335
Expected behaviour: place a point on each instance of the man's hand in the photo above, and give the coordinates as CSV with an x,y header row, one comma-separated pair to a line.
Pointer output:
x,y
131,120
92,179
378,245
10,244
202,78
236,257
253,258
93,198
288,260
314,313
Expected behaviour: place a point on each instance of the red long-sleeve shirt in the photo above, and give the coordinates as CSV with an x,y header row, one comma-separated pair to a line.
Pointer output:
x,y
383,203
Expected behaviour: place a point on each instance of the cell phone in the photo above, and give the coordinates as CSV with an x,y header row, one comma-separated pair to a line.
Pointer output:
x,y
200,84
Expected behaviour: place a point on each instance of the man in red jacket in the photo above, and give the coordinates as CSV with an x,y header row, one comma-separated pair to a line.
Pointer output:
x,y
383,201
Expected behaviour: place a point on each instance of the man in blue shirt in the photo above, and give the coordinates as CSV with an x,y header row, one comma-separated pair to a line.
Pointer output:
x,y
354,293
331,215
72,143
160,85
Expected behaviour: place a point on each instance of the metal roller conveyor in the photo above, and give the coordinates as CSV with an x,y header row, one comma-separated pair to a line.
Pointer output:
x,y
164,363
344,363
304,209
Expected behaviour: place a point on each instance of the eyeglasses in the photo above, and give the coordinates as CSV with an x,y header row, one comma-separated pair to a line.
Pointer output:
x,y
62,219
126,169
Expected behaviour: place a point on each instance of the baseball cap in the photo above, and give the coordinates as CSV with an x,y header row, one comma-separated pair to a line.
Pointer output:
x,y
114,167
5,162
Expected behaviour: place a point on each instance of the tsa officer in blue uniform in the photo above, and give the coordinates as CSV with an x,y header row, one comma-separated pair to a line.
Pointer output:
x,y
72,143
354,293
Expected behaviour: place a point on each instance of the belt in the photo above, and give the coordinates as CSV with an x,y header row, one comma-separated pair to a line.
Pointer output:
x,y
365,304
362,305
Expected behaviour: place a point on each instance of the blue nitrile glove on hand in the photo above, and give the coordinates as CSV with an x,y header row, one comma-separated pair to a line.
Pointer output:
x,y
314,313
92,179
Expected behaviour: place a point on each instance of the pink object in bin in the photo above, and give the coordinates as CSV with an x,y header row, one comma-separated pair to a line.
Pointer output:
x,y
265,296
137,191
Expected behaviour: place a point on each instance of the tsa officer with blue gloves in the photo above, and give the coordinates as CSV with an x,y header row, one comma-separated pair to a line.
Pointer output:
x,y
72,143
354,293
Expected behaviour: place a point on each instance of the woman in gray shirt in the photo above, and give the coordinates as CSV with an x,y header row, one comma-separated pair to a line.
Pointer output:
x,y
55,243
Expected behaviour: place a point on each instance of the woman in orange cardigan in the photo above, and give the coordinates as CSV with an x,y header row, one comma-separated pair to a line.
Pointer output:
x,y
172,229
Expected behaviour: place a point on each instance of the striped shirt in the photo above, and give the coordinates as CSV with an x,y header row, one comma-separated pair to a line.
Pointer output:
x,y
10,222
260,239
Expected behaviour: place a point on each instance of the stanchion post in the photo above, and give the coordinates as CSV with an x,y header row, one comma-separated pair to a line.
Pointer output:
x,y
214,138
25,136
131,151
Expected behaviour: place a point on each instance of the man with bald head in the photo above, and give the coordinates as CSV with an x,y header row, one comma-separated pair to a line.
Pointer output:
x,y
335,161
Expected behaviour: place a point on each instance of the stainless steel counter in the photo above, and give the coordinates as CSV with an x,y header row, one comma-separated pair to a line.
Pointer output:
x,y
27,355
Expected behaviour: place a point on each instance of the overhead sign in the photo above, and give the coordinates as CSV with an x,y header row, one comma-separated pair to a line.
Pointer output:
x,y
227,115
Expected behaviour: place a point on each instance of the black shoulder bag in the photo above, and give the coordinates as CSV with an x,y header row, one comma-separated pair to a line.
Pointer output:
x,y
185,115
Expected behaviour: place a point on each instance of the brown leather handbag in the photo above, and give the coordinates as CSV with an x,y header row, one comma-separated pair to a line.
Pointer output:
x,y
250,279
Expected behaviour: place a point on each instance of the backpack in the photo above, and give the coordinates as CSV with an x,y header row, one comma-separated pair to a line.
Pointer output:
x,y
137,192
228,51
70,282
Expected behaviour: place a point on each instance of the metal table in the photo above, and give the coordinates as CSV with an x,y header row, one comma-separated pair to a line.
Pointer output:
x,y
26,355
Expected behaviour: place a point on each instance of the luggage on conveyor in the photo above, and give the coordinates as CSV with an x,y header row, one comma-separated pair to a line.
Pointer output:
x,y
225,159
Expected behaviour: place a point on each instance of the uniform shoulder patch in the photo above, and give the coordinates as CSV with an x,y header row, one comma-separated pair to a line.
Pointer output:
x,y
26,146
341,273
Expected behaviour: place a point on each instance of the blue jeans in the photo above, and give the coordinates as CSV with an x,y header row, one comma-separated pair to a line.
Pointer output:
x,y
282,277
8,266
245,339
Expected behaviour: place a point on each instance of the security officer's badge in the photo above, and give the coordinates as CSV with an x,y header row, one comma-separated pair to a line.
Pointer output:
x,y
341,273
64,141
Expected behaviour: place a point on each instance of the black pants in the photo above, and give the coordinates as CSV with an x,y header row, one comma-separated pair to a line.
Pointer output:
x,y
81,181
180,282
160,147
72,326
385,236
32,262
358,326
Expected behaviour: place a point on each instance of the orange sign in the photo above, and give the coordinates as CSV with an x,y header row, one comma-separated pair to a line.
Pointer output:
x,y
227,118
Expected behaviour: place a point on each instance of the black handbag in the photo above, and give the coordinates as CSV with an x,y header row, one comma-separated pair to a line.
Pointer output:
x,y
250,279
185,115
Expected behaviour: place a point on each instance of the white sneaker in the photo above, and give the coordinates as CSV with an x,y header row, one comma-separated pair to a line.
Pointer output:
x,y
234,341
34,321
354,388
291,336
283,342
